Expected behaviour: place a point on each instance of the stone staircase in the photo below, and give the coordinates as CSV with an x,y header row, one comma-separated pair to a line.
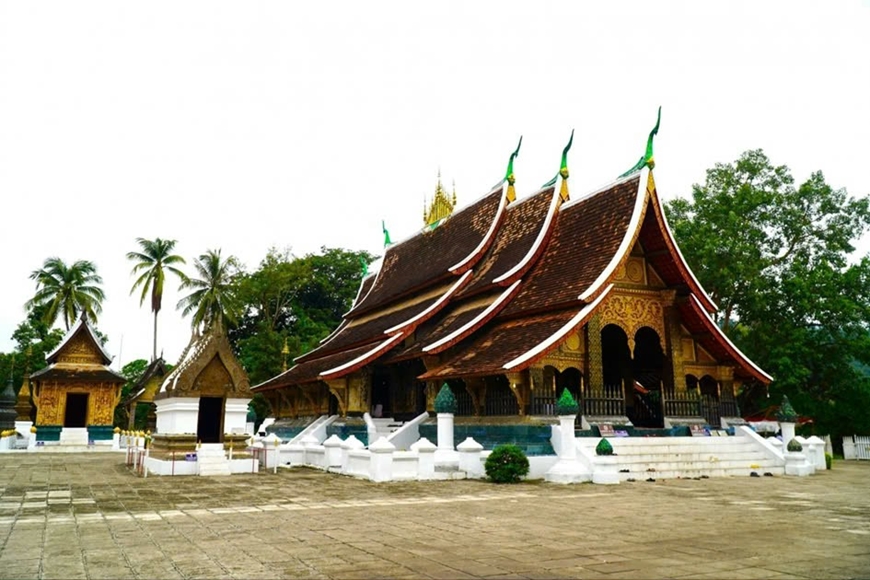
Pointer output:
x,y
686,457
385,426
212,460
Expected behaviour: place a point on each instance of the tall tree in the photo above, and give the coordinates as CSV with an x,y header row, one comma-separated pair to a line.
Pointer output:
x,y
66,291
294,299
779,260
152,263
214,292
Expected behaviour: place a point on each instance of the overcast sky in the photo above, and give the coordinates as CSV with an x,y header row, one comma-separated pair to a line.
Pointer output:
x,y
247,125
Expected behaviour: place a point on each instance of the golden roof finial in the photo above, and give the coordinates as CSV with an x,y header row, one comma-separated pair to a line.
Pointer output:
x,y
441,205
284,352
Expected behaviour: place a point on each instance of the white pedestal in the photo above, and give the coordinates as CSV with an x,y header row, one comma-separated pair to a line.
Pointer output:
x,y
604,470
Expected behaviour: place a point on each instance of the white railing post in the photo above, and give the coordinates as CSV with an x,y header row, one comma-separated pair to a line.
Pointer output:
x,y
426,458
332,451
381,460
469,458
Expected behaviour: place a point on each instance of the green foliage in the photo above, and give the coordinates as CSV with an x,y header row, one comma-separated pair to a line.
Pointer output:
x,y
214,295
786,413
604,447
506,464
300,300
445,402
779,261
794,446
65,290
152,263
567,404
829,460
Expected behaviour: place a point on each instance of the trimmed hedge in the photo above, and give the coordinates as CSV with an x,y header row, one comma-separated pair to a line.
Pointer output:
x,y
507,464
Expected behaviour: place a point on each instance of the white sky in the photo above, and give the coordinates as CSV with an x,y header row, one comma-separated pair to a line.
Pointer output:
x,y
246,125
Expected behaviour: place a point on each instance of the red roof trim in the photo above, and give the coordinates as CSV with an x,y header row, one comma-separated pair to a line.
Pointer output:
x,y
694,286
471,259
362,360
433,308
735,352
537,248
476,323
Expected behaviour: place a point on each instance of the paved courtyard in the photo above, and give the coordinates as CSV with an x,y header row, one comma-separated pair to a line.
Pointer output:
x,y
87,516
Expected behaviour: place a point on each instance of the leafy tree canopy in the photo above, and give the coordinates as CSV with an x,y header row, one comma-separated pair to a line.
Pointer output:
x,y
780,262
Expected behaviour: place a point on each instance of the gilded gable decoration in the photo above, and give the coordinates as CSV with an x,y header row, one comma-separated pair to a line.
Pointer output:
x,y
440,207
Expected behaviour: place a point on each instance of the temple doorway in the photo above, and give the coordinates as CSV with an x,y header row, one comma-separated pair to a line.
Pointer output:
x,y
210,419
647,371
76,414
381,395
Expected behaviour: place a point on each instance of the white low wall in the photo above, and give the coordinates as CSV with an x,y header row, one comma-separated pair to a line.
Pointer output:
x,y
166,467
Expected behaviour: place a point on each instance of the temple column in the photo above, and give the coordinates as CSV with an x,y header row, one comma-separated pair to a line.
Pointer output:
x,y
476,387
519,383
536,385
131,416
339,390
675,349
594,361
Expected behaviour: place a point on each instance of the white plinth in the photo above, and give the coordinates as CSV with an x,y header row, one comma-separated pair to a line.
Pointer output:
x,y
74,436
177,415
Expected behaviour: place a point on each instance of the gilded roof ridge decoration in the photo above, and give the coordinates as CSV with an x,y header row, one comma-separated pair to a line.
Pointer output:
x,y
72,332
441,206
419,261
717,332
628,240
543,348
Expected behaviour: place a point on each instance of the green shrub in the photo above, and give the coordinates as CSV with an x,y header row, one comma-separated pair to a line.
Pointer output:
x,y
567,405
604,447
507,464
829,460
794,446
445,402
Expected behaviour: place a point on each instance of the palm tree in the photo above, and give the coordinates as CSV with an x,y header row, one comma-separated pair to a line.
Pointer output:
x,y
152,263
67,290
214,296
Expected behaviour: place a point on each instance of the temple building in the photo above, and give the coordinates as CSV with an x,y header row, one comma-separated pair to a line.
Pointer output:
x,y
143,393
510,301
206,395
76,394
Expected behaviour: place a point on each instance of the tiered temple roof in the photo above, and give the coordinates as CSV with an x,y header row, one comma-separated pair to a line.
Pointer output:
x,y
499,285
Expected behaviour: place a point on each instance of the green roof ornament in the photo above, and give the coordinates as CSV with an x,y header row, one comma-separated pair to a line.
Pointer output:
x,y
365,266
387,240
567,404
786,413
445,402
647,160
509,174
563,171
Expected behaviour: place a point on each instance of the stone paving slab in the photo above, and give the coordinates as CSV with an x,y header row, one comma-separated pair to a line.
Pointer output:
x,y
88,516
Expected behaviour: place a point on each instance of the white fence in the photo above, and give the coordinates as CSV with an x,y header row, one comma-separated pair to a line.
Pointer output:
x,y
856,447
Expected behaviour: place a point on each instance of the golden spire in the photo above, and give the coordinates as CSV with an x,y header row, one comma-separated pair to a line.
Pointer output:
x,y
441,206
284,352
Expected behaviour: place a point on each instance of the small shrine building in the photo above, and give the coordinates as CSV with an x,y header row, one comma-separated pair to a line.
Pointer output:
x,y
510,301
76,394
206,395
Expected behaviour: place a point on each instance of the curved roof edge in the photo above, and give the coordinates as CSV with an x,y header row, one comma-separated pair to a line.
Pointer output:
x,y
530,356
677,255
521,267
468,262
475,323
631,233
432,308
714,329
362,360
107,359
